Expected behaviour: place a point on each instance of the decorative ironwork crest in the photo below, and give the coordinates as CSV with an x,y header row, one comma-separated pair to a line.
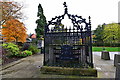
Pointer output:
x,y
76,20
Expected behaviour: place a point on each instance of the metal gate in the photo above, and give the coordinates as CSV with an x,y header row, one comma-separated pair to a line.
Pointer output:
x,y
68,46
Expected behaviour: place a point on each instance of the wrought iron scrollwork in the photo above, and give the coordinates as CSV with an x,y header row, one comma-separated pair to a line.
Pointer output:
x,y
75,19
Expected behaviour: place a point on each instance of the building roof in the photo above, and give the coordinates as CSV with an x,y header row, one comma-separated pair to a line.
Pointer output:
x,y
33,36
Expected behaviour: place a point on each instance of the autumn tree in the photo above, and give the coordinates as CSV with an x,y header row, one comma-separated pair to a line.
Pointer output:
x,y
41,22
14,30
9,10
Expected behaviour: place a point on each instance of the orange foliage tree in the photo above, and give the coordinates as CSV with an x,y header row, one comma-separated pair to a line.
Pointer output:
x,y
9,10
14,30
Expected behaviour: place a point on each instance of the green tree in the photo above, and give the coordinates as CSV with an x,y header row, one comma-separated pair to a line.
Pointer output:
x,y
59,28
41,22
111,33
98,34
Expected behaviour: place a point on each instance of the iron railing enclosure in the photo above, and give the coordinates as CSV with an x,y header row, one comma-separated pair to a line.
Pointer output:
x,y
68,46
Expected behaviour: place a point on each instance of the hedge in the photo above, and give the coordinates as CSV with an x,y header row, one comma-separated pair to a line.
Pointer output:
x,y
106,44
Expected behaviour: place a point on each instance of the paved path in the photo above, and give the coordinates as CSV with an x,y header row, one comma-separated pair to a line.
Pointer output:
x,y
30,68
24,68
105,68
111,54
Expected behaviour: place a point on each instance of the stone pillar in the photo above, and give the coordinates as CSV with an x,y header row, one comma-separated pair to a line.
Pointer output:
x,y
116,59
105,55
51,56
117,75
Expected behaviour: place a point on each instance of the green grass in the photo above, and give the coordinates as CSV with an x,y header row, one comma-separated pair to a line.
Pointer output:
x,y
111,49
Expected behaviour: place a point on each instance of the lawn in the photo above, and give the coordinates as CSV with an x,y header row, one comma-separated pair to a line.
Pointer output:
x,y
111,49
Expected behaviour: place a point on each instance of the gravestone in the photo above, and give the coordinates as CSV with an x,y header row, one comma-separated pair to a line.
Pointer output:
x,y
39,44
105,55
117,76
116,59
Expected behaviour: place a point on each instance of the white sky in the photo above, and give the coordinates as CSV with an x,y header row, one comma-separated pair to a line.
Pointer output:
x,y
101,11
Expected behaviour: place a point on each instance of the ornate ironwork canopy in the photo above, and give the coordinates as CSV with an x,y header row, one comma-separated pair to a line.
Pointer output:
x,y
68,46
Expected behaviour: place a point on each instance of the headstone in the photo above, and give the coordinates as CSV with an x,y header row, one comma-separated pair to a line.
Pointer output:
x,y
117,76
39,44
116,59
105,55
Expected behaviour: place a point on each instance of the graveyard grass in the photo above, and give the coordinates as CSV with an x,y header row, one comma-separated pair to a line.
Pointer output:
x,y
111,49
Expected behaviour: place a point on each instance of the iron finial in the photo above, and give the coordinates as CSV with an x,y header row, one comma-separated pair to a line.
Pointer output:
x,y
89,19
65,4
66,9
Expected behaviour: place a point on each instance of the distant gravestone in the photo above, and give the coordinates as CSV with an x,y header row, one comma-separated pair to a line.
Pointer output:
x,y
39,43
105,55
116,59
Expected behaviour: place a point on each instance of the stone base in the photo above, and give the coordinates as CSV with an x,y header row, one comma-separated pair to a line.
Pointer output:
x,y
105,55
69,71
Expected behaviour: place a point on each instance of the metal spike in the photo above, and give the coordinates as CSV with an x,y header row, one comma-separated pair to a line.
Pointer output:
x,y
89,17
70,28
89,20
73,28
66,28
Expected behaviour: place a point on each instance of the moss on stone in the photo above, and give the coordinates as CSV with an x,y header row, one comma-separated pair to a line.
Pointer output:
x,y
70,71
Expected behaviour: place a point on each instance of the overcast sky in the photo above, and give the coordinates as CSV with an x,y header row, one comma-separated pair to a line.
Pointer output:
x,y
101,11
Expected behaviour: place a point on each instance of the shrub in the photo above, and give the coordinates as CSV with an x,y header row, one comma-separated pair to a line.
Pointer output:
x,y
25,53
34,49
25,46
11,49
19,43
